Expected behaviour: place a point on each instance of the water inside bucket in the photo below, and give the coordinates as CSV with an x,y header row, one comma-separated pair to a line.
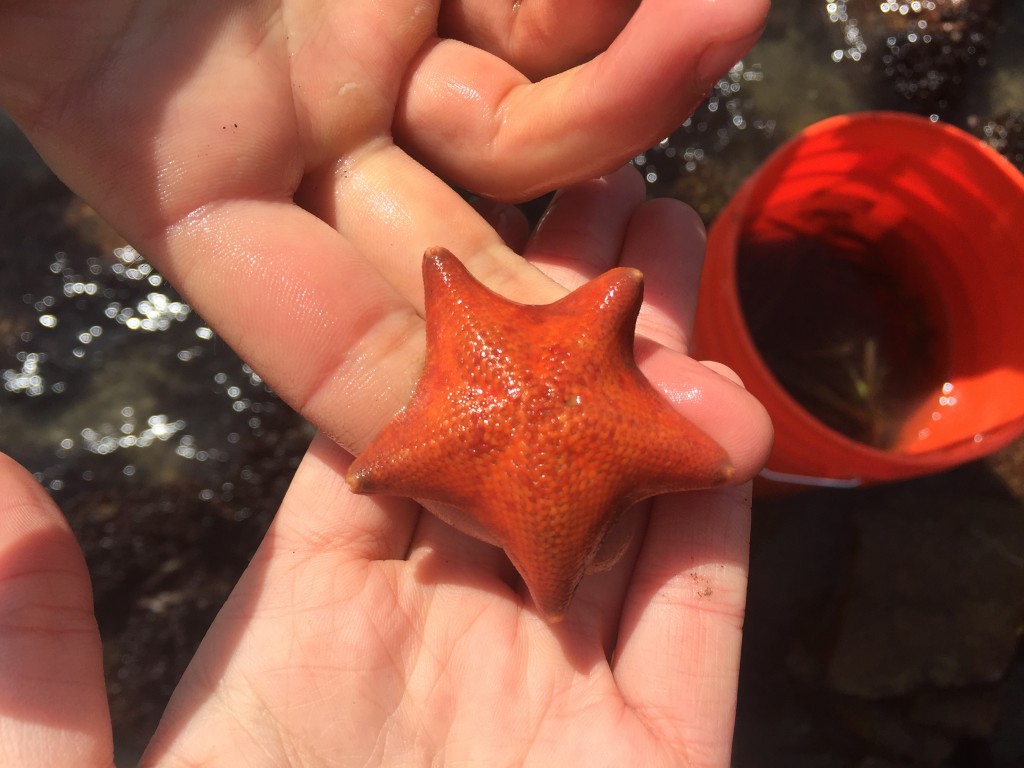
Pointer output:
x,y
846,326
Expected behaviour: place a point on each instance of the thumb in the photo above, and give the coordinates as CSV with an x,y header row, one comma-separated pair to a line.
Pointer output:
x,y
53,706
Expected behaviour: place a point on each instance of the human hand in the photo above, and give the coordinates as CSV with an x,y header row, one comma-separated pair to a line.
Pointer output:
x,y
365,631
276,161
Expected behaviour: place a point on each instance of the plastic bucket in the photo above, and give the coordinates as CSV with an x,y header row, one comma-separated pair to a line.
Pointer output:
x,y
867,284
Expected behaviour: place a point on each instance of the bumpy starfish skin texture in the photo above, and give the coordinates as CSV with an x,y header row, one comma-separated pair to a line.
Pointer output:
x,y
536,423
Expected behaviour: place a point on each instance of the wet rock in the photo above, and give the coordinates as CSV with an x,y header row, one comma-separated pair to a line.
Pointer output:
x,y
935,597
921,51
884,625
1008,466
727,122
1004,133
960,712
885,726
1008,740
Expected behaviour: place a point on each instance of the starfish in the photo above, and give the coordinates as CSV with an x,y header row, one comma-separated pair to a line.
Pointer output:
x,y
536,424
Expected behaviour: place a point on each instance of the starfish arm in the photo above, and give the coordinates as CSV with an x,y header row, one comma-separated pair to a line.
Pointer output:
x,y
550,526
661,451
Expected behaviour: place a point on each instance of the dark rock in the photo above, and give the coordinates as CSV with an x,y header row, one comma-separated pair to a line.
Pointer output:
x,y
936,594
1008,739
925,51
1004,133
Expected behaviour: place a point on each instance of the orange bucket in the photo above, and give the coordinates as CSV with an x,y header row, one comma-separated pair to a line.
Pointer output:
x,y
867,284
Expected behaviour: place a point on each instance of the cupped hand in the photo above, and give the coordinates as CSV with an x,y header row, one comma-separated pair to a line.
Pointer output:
x,y
281,162
367,632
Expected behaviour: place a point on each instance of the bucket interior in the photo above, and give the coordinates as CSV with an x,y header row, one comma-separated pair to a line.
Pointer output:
x,y
880,268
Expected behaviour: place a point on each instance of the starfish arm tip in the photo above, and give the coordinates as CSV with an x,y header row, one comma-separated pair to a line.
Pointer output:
x,y
356,479
436,252
630,279
439,259
715,475
726,472
551,608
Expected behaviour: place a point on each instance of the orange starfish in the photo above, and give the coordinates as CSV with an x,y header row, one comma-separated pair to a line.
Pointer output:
x,y
536,423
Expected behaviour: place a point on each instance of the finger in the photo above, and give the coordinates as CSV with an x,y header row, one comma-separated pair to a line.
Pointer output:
x,y
390,208
295,301
581,234
537,38
596,609
320,516
53,704
579,123
715,404
333,321
677,660
666,242
508,221
595,225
